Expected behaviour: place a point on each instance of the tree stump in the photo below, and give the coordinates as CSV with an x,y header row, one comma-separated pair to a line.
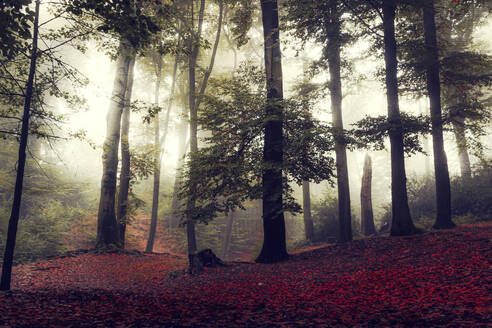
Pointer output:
x,y
204,258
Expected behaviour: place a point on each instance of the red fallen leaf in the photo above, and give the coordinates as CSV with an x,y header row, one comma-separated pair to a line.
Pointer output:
x,y
433,279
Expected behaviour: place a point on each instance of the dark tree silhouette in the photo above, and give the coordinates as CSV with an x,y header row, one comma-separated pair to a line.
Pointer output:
x,y
274,244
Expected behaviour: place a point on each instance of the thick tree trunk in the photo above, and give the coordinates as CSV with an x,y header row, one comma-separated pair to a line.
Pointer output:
x,y
157,161
107,226
344,211
401,223
228,235
443,186
306,208
121,213
367,217
8,257
274,243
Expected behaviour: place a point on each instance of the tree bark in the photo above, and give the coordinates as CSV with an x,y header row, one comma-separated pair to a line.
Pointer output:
x,y
443,185
344,210
8,257
401,223
107,226
157,160
306,208
367,217
274,243
122,212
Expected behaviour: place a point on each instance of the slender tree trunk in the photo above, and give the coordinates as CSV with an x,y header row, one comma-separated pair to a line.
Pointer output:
x,y
194,105
344,211
367,217
182,146
8,257
157,161
401,223
458,120
107,226
443,185
228,234
274,243
192,59
122,211
461,142
426,147
212,58
306,208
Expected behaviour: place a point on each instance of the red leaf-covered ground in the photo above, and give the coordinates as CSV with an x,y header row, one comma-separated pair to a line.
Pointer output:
x,y
436,279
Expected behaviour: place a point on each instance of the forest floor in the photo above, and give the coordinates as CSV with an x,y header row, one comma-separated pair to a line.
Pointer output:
x,y
435,279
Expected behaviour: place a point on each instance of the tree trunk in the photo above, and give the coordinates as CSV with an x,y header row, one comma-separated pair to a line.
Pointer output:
x,y
344,211
401,223
459,132
367,217
443,185
182,146
122,211
192,59
212,58
306,208
107,226
157,161
228,235
8,257
426,146
274,243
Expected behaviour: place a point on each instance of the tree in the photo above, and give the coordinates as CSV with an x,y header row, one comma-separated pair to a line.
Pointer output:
x,y
122,205
14,215
333,47
226,245
193,44
401,223
306,209
125,21
367,218
322,21
443,186
157,61
108,234
274,244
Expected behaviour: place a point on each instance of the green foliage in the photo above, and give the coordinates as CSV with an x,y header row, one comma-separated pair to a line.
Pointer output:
x,y
51,74
134,21
468,198
15,23
325,218
240,19
474,197
371,132
51,207
228,169
148,111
